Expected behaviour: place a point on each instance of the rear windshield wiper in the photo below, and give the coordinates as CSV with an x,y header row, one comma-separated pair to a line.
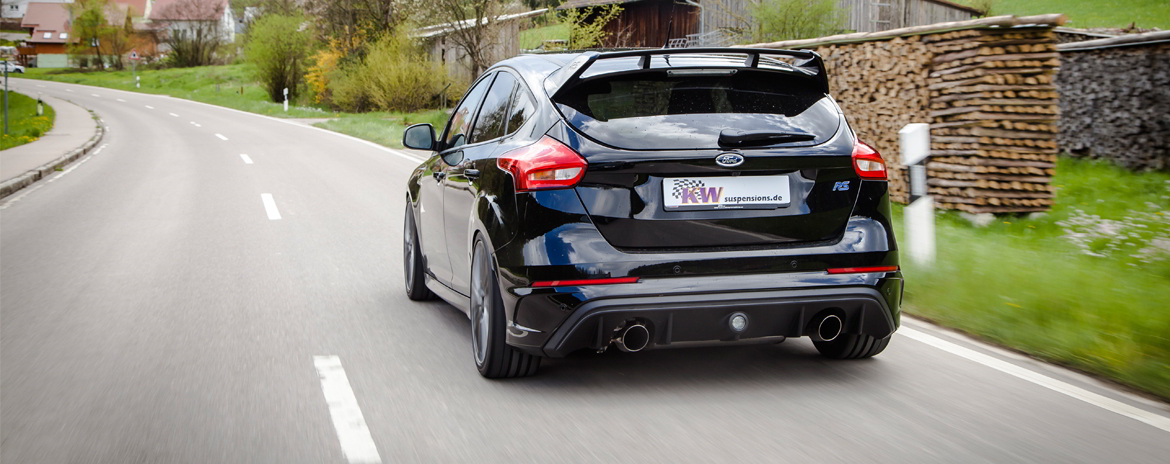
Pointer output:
x,y
733,137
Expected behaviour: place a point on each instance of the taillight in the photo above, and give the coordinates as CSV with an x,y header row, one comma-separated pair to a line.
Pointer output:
x,y
578,283
868,162
546,164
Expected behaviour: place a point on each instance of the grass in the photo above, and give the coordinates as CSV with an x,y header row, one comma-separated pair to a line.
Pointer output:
x,y
532,38
1084,14
24,125
384,128
1097,304
231,86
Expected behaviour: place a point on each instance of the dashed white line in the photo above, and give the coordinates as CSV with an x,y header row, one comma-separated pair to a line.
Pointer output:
x,y
356,443
121,100
221,137
148,107
23,194
68,90
247,160
270,206
1103,402
173,114
96,95
193,123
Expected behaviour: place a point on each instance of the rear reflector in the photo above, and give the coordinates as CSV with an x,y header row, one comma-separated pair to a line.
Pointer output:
x,y
546,164
856,270
576,283
868,162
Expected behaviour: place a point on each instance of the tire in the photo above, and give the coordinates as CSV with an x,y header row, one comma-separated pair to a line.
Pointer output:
x,y
853,346
413,271
493,357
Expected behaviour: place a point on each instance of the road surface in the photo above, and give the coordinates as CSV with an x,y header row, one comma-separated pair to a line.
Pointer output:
x,y
219,287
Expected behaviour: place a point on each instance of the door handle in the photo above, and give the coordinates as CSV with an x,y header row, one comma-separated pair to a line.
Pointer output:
x,y
471,173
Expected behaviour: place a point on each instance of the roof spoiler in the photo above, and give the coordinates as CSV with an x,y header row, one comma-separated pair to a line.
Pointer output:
x,y
808,62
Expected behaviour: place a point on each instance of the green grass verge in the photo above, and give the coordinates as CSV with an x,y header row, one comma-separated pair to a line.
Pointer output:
x,y
1098,303
384,128
1081,13
24,125
532,38
230,86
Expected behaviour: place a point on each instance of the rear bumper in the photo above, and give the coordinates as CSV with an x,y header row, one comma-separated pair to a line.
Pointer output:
x,y
683,318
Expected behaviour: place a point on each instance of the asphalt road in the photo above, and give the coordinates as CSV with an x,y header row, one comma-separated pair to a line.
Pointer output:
x,y
152,312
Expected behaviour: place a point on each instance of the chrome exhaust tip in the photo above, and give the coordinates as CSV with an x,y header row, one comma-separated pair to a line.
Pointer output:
x,y
826,329
634,338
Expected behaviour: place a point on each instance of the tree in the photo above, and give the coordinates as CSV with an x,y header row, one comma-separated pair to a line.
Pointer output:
x,y
193,31
115,39
777,20
587,24
89,22
277,47
355,23
473,26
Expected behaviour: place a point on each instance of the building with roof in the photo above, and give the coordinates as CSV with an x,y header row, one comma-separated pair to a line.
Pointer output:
x,y
48,24
194,17
445,50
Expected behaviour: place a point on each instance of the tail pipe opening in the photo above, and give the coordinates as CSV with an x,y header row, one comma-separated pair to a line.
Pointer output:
x,y
825,328
633,338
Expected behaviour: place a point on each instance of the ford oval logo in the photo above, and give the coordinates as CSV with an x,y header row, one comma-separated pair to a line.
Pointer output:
x,y
729,160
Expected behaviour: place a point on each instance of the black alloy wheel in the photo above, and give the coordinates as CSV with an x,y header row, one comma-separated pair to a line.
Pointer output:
x,y
493,357
416,286
853,346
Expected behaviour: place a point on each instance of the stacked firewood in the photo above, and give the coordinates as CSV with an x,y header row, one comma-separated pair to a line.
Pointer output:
x,y
994,114
881,86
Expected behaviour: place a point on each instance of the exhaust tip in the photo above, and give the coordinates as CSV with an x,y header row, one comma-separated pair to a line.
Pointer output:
x,y
635,337
829,328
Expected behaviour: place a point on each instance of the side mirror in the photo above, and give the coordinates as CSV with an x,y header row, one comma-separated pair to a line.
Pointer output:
x,y
419,137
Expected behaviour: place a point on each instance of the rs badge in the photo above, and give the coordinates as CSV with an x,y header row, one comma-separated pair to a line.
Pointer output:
x,y
841,186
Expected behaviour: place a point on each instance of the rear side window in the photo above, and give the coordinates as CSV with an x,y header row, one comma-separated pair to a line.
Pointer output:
x,y
460,123
654,110
522,108
493,118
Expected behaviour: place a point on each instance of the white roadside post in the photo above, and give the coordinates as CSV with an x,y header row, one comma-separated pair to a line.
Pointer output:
x,y
915,143
286,99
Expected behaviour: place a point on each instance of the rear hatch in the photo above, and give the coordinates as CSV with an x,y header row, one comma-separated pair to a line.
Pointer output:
x,y
693,156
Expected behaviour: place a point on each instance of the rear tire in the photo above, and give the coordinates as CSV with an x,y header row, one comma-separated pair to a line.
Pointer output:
x,y
413,271
493,357
853,346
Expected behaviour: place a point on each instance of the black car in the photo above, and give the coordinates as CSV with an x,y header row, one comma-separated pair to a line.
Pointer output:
x,y
652,199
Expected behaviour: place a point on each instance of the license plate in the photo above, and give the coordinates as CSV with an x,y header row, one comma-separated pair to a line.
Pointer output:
x,y
742,192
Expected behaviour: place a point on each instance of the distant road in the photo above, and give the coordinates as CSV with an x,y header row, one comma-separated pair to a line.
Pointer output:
x,y
220,287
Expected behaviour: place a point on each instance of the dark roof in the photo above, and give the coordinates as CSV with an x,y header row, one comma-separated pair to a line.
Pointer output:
x,y
584,3
957,6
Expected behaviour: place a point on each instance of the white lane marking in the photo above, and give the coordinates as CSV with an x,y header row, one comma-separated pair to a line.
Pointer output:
x,y
221,137
356,442
23,194
173,114
247,160
1103,402
68,90
96,95
41,86
270,206
195,124
121,100
148,107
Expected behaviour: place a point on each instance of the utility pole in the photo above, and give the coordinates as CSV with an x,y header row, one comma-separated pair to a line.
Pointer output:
x,y
5,97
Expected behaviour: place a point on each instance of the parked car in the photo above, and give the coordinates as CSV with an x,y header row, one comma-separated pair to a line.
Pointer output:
x,y
652,199
12,67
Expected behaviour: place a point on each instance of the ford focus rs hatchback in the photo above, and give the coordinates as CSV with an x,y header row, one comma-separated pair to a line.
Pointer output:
x,y
652,199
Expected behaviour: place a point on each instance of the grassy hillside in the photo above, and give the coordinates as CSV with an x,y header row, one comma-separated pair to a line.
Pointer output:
x,y
1095,13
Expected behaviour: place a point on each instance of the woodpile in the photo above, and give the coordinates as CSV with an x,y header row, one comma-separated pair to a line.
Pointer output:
x,y
986,87
1115,100
994,114
881,86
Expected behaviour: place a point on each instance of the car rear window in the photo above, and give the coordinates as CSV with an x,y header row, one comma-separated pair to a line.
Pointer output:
x,y
657,110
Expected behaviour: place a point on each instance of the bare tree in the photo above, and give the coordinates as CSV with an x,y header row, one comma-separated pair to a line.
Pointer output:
x,y
355,23
193,31
474,27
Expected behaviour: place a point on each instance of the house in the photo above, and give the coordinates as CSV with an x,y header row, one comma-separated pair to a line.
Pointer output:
x,y
443,49
194,17
658,23
16,9
48,26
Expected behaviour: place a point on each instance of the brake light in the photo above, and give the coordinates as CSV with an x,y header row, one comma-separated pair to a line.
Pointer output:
x,y
574,283
868,162
546,164
858,270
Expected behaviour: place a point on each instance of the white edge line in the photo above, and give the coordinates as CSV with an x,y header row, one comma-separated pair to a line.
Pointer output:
x,y
10,200
356,443
270,206
398,153
247,160
1103,402
221,137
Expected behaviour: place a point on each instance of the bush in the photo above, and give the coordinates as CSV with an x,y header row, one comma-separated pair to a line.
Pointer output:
x,y
277,47
795,19
395,76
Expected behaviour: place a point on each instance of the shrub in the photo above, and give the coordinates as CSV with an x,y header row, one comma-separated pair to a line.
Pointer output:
x,y
795,19
277,47
395,76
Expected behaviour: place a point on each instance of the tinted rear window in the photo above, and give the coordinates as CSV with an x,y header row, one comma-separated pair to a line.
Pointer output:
x,y
653,110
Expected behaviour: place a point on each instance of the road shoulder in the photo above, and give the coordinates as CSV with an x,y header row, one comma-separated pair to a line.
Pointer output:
x,y
75,133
